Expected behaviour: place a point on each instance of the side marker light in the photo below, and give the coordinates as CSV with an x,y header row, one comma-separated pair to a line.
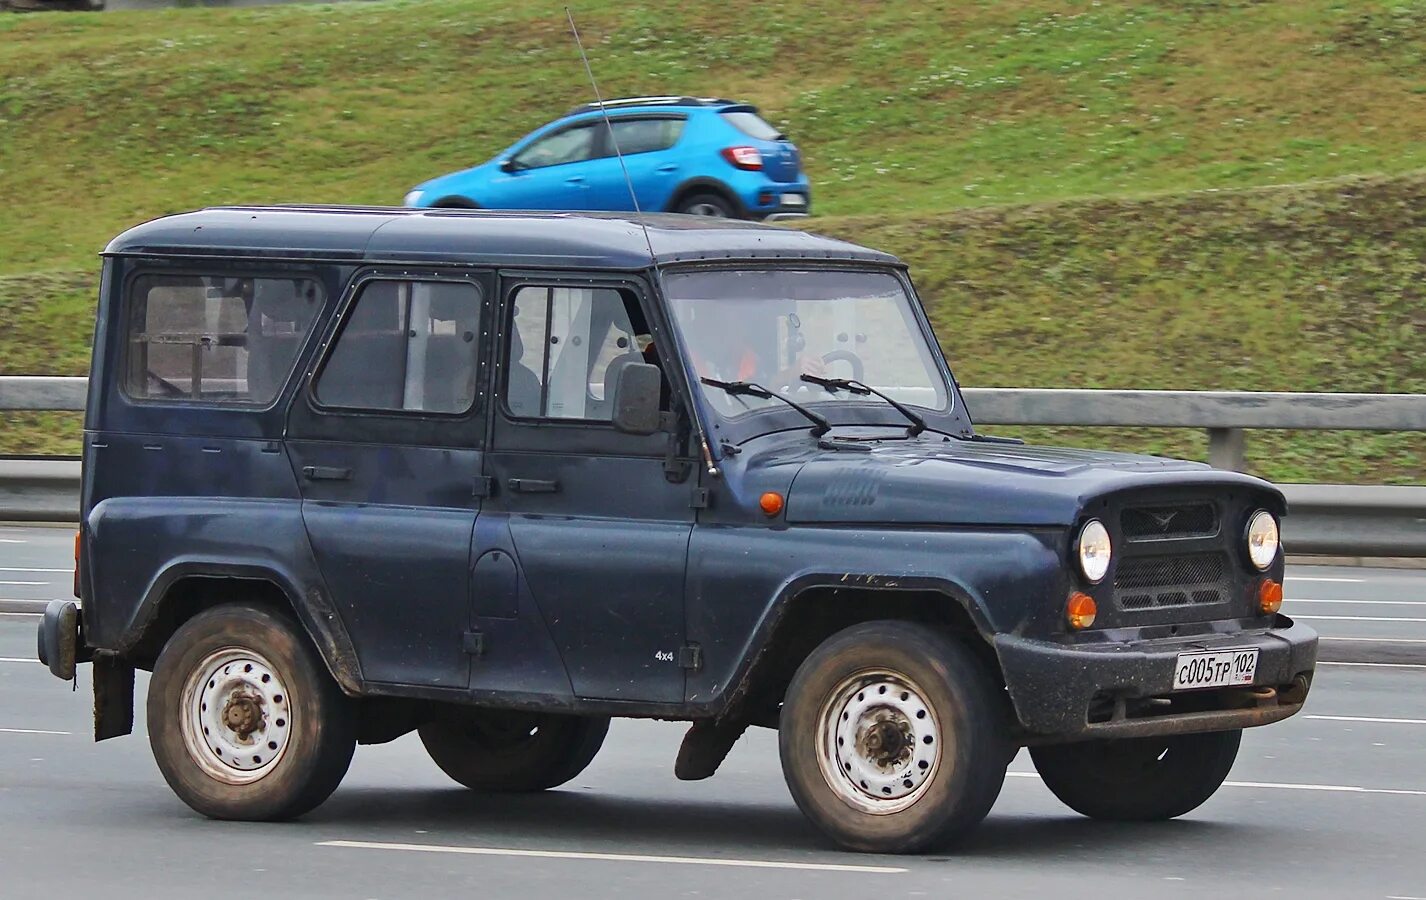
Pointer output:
x,y
1080,610
771,503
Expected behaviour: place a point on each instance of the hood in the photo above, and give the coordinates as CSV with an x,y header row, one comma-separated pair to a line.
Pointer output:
x,y
974,483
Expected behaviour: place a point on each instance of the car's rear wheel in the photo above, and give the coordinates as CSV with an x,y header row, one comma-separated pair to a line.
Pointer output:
x,y
244,720
498,750
1138,779
708,204
893,738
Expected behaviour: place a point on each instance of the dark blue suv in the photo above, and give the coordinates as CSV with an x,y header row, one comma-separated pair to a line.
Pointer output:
x,y
497,477
706,157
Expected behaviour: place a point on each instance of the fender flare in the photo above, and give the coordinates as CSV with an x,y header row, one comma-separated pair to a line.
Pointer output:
x,y
709,185
314,612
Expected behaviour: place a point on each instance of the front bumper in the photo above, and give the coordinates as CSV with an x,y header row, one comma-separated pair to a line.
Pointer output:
x,y
1065,692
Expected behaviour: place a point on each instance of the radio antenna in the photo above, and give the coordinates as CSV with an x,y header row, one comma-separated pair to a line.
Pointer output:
x,y
613,138
643,226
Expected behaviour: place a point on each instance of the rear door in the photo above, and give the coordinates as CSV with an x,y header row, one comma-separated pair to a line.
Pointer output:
x,y
646,142
387,442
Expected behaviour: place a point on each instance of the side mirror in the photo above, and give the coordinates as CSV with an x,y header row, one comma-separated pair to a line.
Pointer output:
x,y
509,165
636,398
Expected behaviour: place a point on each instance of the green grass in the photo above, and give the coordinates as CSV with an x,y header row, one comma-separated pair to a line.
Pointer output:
x,y
903,105
1157,194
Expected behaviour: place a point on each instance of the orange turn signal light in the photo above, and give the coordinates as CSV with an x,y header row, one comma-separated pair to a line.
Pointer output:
x,y
1080,610
771,503
1269,597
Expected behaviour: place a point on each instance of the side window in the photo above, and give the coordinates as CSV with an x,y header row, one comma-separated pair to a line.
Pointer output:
x,y
565,349
646,135
406,346
216,338
567,146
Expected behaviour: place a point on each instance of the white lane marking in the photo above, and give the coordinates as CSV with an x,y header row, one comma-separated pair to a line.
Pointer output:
x,y
12,541
18,659
1368,719
1357,619
1329,637
1325,578
25,583
1362,602
1375,665
1286,786
17,569
32,731
26,615
613,857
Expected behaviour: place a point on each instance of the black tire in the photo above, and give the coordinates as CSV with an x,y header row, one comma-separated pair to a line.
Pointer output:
x,y
307,712
510,752
455,203
707,203
1138,779
965,707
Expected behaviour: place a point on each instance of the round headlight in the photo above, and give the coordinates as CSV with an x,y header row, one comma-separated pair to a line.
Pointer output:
x,y
1262,539
1094,551
412,198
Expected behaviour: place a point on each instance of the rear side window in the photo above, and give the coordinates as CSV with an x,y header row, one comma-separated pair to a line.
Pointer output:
x,y
216,338
752,124
646,135
406,346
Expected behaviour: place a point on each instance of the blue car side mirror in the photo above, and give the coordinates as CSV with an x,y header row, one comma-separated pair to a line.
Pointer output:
x,y
509,165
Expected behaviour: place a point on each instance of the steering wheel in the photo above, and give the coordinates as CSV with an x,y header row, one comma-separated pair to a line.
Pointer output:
x,y
798,386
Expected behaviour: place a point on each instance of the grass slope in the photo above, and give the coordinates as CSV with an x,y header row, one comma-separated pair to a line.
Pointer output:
x,y
900,105
1299,287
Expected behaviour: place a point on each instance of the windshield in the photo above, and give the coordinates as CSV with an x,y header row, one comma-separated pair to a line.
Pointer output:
x,y
772,327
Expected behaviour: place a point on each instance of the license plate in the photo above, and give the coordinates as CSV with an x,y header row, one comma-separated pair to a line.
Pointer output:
x,y
1214,668
794,200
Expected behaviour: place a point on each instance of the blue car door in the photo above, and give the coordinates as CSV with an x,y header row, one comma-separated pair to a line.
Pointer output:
x,y
646,143
552,171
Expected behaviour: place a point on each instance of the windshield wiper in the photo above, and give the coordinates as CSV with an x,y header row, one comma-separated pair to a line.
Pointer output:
x,y
820,426
918,424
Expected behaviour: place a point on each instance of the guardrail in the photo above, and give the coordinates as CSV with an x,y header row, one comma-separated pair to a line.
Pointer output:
x,y
1325,519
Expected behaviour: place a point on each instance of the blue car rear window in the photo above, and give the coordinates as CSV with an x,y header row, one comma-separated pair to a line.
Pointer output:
x,y
752,124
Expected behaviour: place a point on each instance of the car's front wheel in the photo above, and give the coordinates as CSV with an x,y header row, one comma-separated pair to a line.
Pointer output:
x,y
894,738
498,750
244,720
1138,779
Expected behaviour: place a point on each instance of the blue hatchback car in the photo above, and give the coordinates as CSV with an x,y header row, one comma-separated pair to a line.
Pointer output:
x,y
692,155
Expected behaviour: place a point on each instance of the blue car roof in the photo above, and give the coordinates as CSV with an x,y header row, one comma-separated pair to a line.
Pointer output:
x,y
475,237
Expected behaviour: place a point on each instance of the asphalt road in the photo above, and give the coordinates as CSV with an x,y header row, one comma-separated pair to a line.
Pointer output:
x,y
1329,804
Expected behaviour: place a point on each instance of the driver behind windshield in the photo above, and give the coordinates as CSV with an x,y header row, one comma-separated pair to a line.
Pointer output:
x,y
738,341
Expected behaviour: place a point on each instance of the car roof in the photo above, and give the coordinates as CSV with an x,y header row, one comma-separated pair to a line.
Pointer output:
x,y
624,103
476,237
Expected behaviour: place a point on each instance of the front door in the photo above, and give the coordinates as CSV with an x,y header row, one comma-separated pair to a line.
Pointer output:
x,y
601,535
386,442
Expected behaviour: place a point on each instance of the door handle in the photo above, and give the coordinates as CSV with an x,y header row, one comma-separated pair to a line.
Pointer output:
x,y
533,485
577,179
326,473
668,167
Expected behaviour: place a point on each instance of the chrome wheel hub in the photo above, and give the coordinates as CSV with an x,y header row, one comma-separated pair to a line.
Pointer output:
x,y
880,744
237,716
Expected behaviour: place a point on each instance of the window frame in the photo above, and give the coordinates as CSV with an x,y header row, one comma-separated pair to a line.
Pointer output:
x,y
187,269
596,145
354,292
511,285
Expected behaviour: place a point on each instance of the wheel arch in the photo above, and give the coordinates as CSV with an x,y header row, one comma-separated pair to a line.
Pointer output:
x,y
185,589
813,609
705,185
455,201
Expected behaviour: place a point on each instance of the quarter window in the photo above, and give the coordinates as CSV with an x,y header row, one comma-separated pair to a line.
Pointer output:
x,y
406,346
216,338
565,349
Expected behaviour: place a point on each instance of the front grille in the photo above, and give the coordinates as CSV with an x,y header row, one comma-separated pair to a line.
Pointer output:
x,y
1155,582
1150,523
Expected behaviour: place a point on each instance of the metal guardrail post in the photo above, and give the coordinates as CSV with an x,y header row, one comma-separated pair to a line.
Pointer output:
x,y
1227,449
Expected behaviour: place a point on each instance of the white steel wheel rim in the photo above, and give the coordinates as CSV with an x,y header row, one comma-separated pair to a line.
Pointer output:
x,y
236,716
709,210
878,742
